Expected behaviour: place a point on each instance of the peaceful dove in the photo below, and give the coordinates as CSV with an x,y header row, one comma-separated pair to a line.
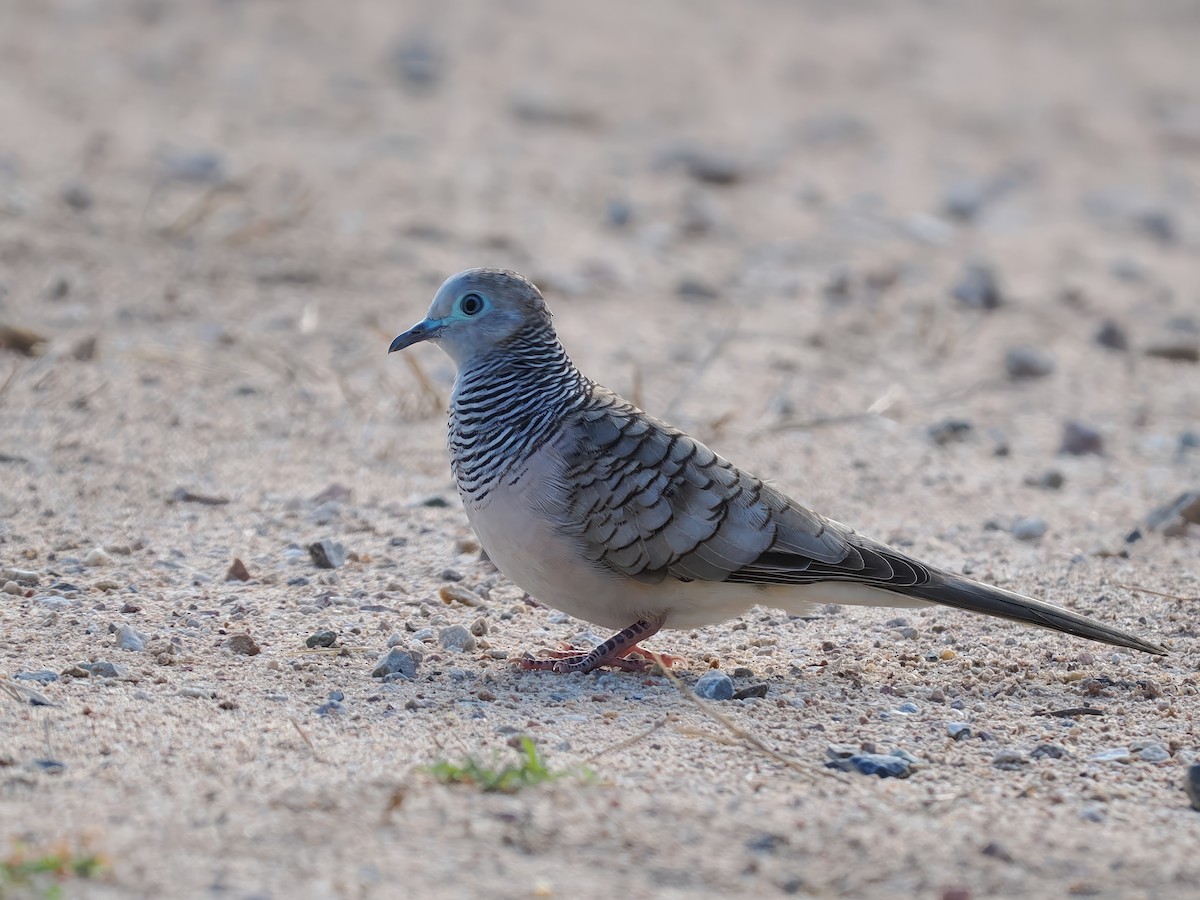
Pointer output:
x,y
608,514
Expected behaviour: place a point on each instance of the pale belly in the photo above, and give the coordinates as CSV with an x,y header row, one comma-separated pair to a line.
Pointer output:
x,y
539,558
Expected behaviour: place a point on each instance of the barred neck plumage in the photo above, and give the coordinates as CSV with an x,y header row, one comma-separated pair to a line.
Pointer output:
x,y
506,404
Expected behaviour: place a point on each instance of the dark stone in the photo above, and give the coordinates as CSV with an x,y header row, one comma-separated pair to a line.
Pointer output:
x,y
1173,518
873,764
243,645
397,662
753,690
321,639
1191,784
978,287
1028,362
43,676
416,62
327,554
77,195
1049,751
950,431
1080,440
695,291
103,669
715,686
1112,336
619,213
1158,224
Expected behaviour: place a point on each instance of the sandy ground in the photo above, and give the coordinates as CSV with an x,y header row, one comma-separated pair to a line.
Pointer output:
x,y
750,217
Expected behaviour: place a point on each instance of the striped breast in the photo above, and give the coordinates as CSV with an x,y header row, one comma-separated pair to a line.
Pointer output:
x,y
505,406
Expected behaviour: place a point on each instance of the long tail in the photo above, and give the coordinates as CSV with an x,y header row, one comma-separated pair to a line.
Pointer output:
x,y
962,593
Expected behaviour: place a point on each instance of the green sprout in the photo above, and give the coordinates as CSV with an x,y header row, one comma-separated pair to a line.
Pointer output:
x,y
25,875
531,769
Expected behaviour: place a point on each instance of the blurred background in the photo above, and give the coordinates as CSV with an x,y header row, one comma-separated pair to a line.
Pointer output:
x,y
932,266
749,216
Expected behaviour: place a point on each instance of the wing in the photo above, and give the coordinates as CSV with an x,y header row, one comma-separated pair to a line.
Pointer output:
x,y
652,503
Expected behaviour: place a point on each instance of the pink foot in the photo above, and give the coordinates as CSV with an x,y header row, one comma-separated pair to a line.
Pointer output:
x,y
620,651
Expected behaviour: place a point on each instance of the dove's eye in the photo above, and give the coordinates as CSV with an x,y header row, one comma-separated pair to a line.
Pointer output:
x,y
471,304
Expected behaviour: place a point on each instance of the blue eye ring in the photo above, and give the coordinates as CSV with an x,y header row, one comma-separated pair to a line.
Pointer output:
x,y
470,304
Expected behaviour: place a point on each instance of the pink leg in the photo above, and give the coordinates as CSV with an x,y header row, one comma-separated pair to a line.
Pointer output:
x,y
615,652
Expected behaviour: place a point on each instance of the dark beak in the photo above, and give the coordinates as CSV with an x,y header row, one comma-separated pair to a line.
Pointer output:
x,y
422,331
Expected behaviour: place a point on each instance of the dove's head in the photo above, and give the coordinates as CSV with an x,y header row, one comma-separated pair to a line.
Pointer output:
x,y
478,310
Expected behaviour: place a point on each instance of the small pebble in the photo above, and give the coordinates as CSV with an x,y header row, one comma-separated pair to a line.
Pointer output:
x,y
1031,528
714,685
96,557
1093,812
42,676
333,706
1184,348
77,195
1154,753
712,167
751,691
129,638
1115,754
324,638
479,627
618,213
950,431
1049,751
1158,224
11,587
237,571
1173,518
397,662
958,731
197,692
693,290
1112,336
56,602
243,644
978,288
1079,439
1028,362
1191,784
1009,760
457,593
103,669
457,638
964,198
195,166
327,554
883,765
908,708
1050,480
416,62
